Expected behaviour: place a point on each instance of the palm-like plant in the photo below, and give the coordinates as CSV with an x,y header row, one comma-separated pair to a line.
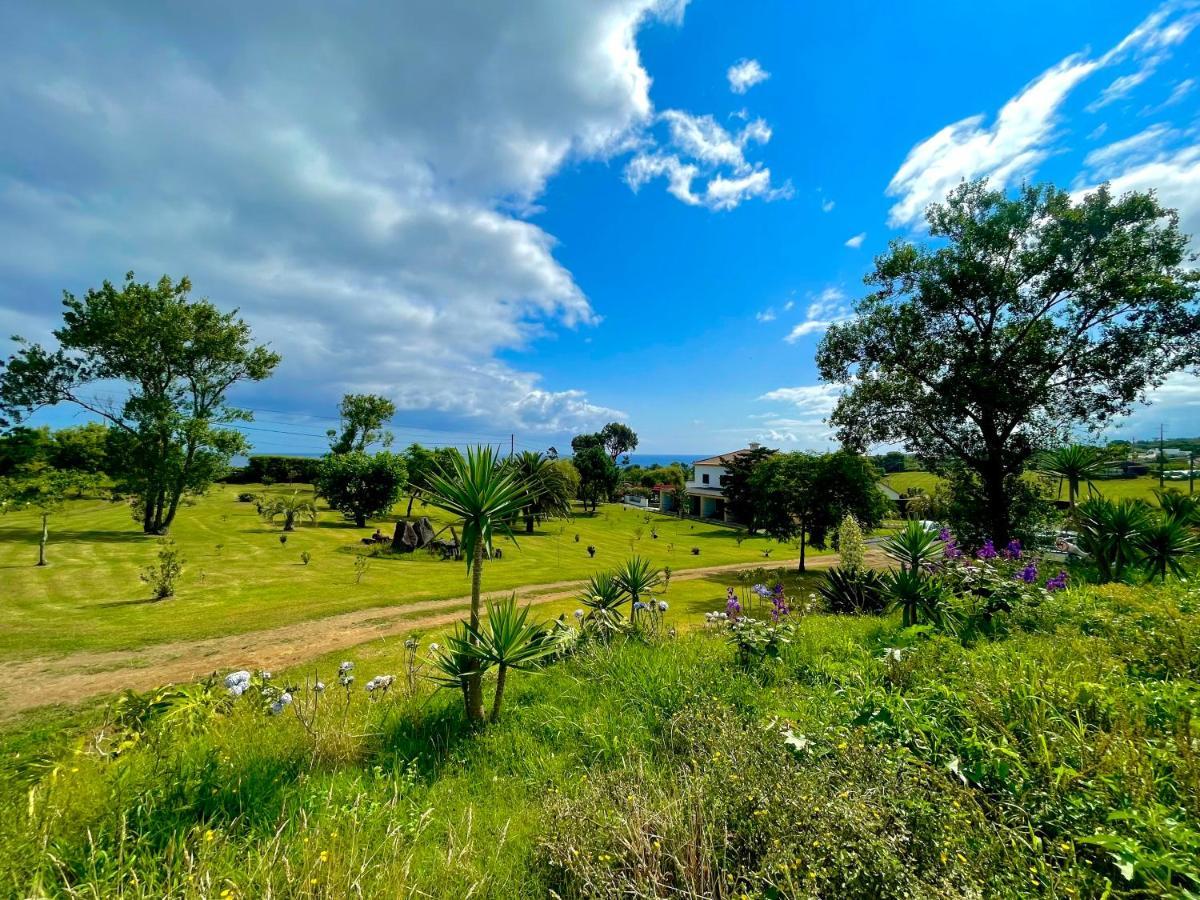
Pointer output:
x,y
1075,464
1165,542
1111,532
549,489
913,546
1183,508
915,594
602,593
485,494
509,641
454,662
290,509
637,577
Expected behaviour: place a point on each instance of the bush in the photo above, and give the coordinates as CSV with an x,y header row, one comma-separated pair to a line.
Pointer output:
x,y
247,497
163,575
274,469
856,591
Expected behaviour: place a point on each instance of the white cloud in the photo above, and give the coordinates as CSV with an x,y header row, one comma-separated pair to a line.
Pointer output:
x,y
787,306
700,147
810,399
1112,159
828,308
1150,43
1181,90
1024,130
857,240
352,195
827,206
744,74
765,315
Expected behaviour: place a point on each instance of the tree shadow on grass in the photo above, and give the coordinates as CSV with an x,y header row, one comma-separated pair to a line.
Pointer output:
x,y
60,536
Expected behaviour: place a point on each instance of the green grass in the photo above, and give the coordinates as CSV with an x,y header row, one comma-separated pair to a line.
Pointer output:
x,y
660,768
1141,488
238,577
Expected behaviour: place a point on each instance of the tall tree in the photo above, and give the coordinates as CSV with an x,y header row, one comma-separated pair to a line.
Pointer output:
x,y
484,493
803,496
1027,317
618,439
738,489
598,475
175,359
362,419
82,448
359,485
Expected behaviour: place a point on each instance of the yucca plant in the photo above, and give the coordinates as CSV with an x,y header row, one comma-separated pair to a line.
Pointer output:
x,y
853,590
913,546
918,596
1111,533
508,641
1076,464
1183,508
636,576
290,508
454,664
602,593
485,495
1165,543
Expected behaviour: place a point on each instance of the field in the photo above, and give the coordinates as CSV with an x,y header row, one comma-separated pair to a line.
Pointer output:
x,y
245,595
658,767
1142,487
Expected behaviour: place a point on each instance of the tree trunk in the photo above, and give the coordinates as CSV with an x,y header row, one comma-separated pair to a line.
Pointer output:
x,y
475,680
411,498
997,503
529,523
289,521
360,520
45,538
501,676
802,543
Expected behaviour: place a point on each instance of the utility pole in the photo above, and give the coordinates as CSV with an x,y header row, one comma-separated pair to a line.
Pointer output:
x,y
1162,460
512,445
1192,472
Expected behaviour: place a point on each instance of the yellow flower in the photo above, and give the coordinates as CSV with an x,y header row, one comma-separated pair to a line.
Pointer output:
x,y
324,856
210,836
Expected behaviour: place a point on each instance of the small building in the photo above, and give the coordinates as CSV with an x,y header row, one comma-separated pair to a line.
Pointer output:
x,y
706,490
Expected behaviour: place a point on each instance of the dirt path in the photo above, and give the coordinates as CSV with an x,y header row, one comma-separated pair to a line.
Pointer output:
x,y
43,681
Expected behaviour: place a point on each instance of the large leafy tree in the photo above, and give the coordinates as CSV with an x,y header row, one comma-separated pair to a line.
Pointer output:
x,y
803,496
615,438
174,360
1026,317
598,475
550,487
739,489
484,494
359,485
362,419
423,462
82,448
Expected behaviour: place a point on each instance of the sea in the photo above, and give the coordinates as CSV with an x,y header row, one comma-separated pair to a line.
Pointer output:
x,y
649,460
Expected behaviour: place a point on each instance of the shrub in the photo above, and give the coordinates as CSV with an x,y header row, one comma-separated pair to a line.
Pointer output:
x,y
163,575
855,591
247,497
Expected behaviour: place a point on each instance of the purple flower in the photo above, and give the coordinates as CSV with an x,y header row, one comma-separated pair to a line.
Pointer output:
x,y
1013,550
945,536
1058,582
733,609
952,550
988,550
1028,574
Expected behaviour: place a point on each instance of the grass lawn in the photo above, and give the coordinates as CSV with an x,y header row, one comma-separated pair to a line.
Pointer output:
x,y
1142,487
238,577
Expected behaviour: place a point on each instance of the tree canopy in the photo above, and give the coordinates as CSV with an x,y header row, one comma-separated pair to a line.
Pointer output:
x,y
173,357
1027,317
615,438
361,486
362,419
598,475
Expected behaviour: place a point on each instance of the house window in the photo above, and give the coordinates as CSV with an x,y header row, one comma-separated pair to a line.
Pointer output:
x,y
704,478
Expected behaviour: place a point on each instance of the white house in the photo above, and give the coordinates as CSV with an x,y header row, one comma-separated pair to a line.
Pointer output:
x,y
706,494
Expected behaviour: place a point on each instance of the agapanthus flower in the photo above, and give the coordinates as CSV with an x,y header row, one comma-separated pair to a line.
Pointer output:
x,y
579,613
762,590
988,550
319,686
434,648
1028,574
380,683
345,667
411,644
1058,582
662,605
733,609
639,606
284,701
237,682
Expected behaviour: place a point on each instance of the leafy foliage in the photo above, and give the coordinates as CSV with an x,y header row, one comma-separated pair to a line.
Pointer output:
x,y
853,590
361,486
290,508
362,419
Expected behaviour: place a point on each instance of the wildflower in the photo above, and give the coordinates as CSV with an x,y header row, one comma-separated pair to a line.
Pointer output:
x,y
579,613
988,550
639,606
951,550
237,682
319,686
284,701
1028,574
345,667
1013,550
893,654
411,644
380,683
662,605
434,647
733,609
1058,582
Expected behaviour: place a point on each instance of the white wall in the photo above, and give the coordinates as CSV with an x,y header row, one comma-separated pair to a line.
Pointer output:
x,y
714,474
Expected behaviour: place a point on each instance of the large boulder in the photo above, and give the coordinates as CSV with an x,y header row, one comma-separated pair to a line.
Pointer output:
x,y
405,539
425,533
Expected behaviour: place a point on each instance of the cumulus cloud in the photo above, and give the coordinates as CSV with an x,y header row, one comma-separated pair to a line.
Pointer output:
x,y
765,315
697,146
857,240
1023,133
745,74
348,181
827,206
827,308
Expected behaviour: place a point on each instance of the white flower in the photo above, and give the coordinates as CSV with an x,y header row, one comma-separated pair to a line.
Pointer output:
x,y
237,682
662,605
579,613
319,686
380,683
434,648
281,704
346,666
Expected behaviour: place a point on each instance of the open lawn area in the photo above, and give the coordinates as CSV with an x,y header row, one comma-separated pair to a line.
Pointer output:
x,y
87,613
1142,487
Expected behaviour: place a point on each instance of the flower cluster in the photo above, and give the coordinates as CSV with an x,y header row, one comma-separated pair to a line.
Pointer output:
x,y
988,550
1013,550
345,678
950,548
639,606
779,605
380,683
762,591
713,618
1028,574
733,608
237,682
282,702
1058,582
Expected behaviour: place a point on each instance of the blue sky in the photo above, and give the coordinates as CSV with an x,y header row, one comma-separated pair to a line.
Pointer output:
x,y
536,217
